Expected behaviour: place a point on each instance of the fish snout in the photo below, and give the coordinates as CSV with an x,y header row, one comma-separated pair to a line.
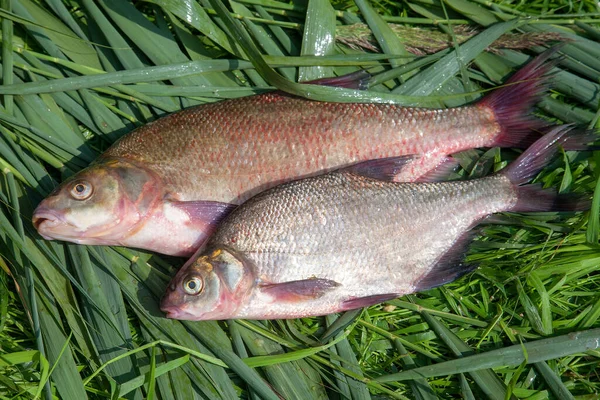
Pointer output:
x,y
168,307
172,312
44,220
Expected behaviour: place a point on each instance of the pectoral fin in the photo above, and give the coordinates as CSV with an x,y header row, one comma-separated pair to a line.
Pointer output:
x,y
292,291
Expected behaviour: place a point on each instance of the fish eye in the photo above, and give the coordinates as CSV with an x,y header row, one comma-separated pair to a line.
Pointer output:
x,y
81,190
193,286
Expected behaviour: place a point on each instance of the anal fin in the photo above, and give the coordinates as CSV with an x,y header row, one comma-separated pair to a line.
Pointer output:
x,y
408,168
383,169
360,302
444,171
450,265
430,167
292,291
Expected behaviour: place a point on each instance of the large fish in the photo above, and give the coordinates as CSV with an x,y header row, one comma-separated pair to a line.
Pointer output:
x,y
344,240
164,186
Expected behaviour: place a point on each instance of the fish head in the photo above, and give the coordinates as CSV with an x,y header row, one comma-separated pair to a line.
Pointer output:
x,y
99,205
211,286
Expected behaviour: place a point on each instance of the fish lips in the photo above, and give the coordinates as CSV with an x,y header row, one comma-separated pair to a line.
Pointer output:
x,y
46,222
174,311
52,225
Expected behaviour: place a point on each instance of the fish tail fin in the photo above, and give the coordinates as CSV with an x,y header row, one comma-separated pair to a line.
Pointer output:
x,y
533,197
512,103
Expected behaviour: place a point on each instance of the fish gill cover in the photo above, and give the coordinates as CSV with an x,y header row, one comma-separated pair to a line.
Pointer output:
x,y
82,321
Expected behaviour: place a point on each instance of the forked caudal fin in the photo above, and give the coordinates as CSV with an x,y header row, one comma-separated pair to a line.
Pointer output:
x,y
512,102
524,168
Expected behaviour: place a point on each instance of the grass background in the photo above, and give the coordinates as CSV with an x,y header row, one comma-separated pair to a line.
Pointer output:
x,y
78,322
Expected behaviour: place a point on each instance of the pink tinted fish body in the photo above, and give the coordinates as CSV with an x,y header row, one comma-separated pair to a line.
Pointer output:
x,y
230,150
342,240
164,186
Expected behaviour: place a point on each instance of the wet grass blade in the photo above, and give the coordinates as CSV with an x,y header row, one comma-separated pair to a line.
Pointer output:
x,y
318,38
343,349
387,39
288,378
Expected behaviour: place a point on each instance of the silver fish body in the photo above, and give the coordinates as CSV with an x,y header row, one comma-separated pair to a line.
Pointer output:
x,y
370,237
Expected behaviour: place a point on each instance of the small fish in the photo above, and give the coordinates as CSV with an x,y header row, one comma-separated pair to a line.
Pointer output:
x,y
164,186
343,240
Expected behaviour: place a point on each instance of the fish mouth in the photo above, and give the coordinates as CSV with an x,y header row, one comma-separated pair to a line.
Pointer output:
x,y
45,221
173,312
54,225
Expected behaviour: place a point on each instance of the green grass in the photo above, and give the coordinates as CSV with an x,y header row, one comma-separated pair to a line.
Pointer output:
x,y
79,322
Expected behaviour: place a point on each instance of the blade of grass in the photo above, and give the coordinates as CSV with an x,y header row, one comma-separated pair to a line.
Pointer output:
x,y
65,376
487,381
286,377
29,282
554,382
387,39
111,337
434,77
265,40
358,389
593,228
318,38
284,39
157,45
540,350
56,37
420,387
7,55
155,373
473,11
309,91
196,16
531,310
